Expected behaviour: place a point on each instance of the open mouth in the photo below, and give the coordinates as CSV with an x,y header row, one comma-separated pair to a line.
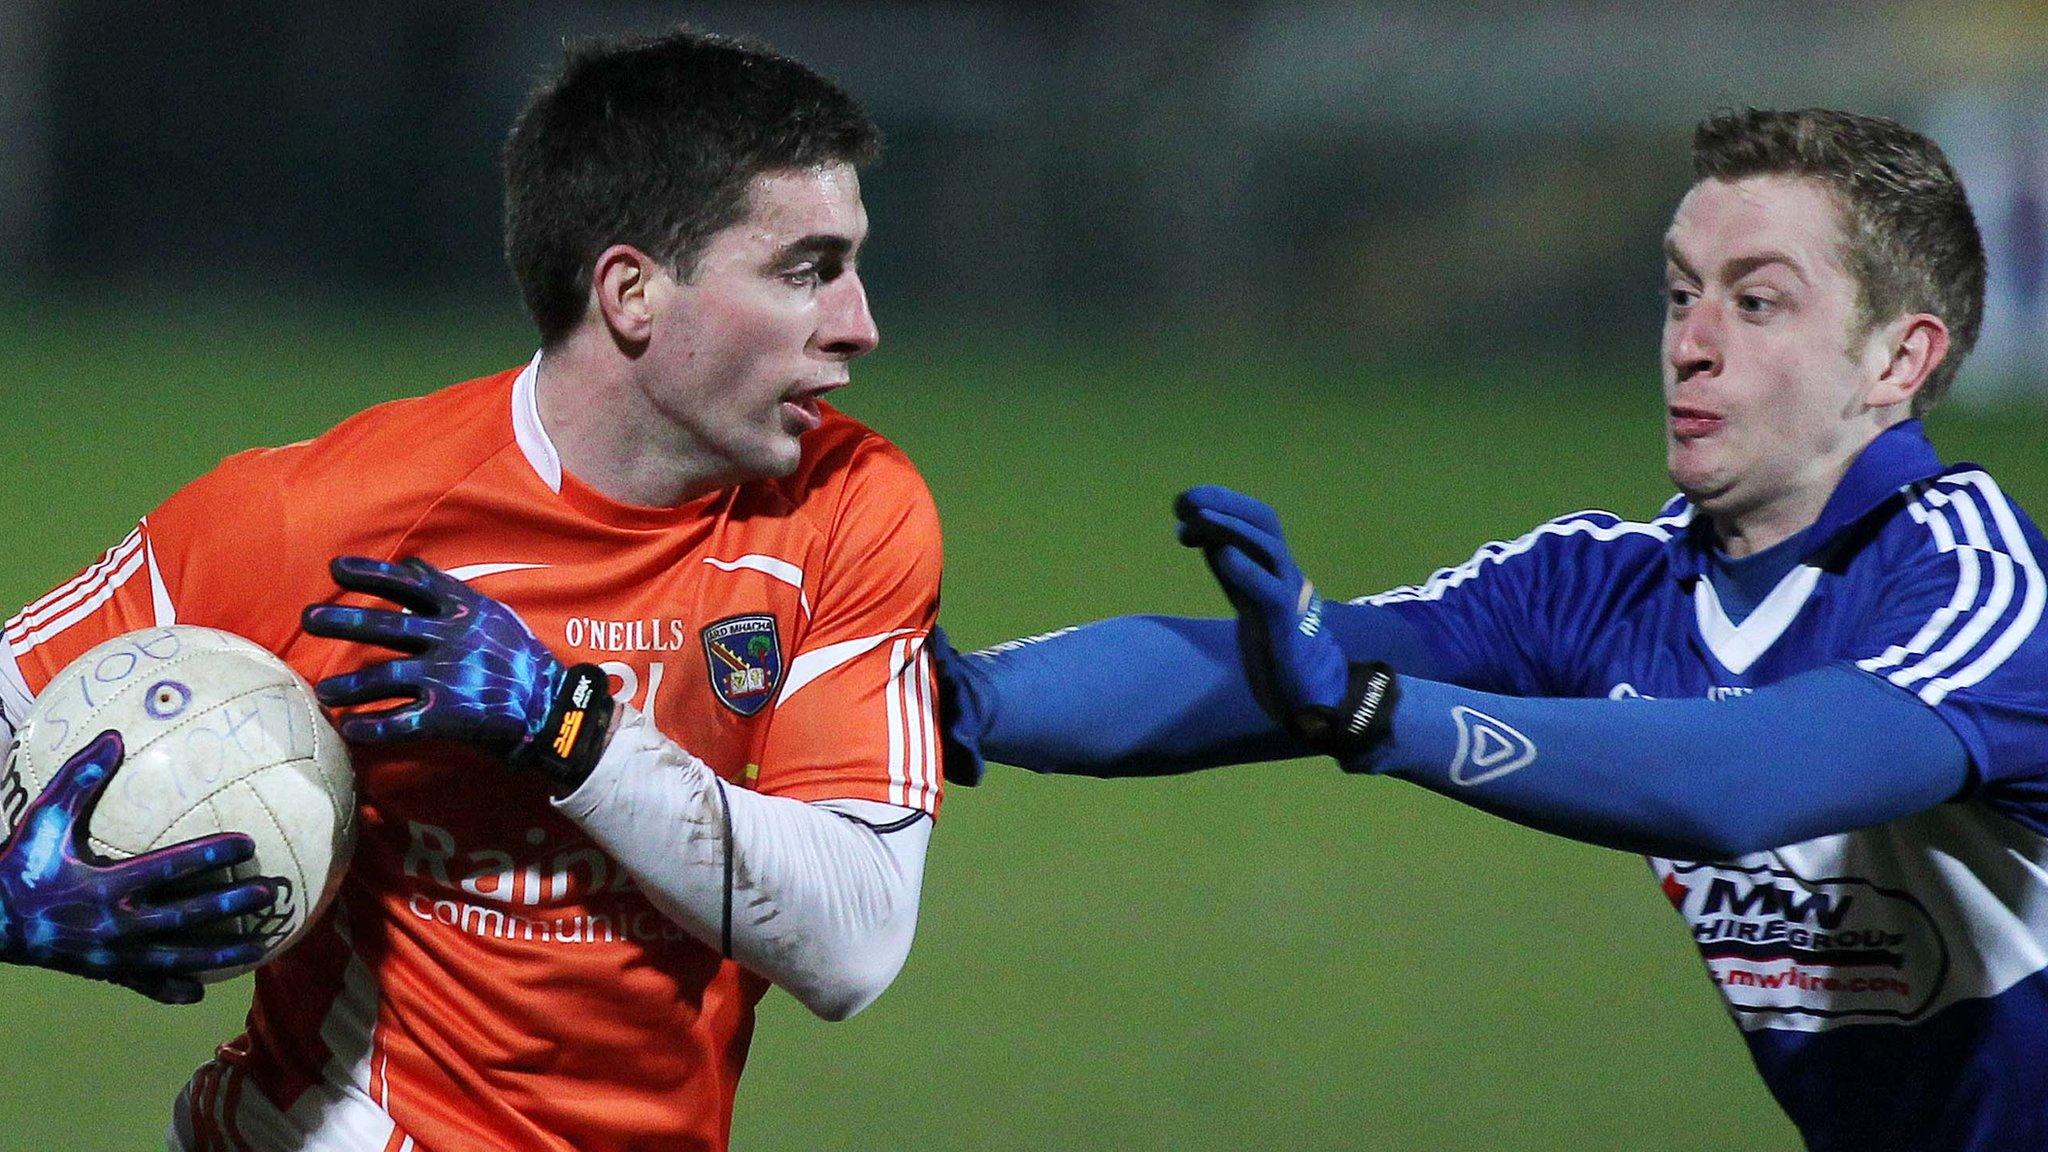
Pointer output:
x,y
800,407
802,413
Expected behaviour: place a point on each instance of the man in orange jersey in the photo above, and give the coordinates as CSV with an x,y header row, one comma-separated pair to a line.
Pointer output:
x,y
659,732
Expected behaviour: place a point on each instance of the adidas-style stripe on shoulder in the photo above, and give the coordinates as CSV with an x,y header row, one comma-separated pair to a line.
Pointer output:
x,y
1998,594
1594,524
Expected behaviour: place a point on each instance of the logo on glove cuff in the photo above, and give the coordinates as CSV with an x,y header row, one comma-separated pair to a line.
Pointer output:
x,y
743,655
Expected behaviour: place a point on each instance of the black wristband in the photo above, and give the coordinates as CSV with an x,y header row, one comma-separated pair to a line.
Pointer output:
x,y
1359,722
569,744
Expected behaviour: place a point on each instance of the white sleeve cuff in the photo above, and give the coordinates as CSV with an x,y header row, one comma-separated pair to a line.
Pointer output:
x,y
819,898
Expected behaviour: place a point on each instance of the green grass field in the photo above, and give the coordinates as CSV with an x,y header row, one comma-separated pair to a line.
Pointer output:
x,y
1274,957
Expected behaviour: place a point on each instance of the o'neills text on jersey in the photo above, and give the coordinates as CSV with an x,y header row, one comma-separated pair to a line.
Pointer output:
x,y
649,634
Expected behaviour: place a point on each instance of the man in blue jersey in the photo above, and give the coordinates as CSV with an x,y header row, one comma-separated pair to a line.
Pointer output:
x,y
1830,645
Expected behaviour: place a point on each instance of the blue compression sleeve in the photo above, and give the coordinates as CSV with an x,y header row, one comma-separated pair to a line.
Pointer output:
x,y
1822,752
1150,695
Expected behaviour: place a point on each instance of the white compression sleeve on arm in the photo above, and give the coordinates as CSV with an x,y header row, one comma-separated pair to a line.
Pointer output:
x,y
819,898
15,700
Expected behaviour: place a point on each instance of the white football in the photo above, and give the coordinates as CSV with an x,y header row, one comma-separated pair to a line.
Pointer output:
x,y
221,736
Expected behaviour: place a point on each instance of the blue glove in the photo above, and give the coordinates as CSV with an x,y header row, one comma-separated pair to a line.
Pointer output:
x,y
962,712
1292,661
476,673
1296,669
149,922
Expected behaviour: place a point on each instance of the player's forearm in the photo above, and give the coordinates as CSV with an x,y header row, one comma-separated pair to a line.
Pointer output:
x,y
821,901
1823,752
1149,695
1130,696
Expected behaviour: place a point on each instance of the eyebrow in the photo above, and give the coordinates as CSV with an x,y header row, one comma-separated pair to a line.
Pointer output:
x,y
1738,267
818,246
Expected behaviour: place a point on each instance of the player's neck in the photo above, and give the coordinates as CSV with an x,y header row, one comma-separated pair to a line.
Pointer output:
x,y
606,442
1747,527
1757,529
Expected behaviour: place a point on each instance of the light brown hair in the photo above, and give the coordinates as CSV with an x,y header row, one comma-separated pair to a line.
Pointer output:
x,y
1911,242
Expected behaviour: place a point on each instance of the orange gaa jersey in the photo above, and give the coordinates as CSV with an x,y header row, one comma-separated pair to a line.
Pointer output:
x,y
488,978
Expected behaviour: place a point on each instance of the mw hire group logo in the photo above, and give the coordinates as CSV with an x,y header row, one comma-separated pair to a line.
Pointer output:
x,y
744,658
1837,949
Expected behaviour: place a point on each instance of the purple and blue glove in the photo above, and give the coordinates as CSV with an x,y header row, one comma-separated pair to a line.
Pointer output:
x,y
1296,669
151,922
474,673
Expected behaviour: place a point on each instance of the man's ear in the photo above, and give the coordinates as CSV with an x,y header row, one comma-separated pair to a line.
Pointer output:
x,y
620,285
1913,347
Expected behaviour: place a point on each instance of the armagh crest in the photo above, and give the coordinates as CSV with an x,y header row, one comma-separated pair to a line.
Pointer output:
x,y
744,658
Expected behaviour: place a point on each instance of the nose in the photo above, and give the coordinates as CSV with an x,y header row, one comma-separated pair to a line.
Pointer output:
x,y
1692,342
846,328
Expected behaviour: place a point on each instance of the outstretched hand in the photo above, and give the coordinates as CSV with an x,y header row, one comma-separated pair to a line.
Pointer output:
x,y
1297,671
473,673
1292,662
151,922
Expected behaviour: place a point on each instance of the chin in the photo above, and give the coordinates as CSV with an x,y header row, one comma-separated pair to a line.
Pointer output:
x,y
1713,499
779,461
1695,467
1700,486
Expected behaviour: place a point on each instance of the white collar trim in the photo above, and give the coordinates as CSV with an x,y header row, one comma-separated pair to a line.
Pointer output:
x,y
527,429
1738,646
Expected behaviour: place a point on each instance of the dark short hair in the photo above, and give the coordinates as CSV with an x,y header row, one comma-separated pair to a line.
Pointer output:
x,y
654,142
1911,240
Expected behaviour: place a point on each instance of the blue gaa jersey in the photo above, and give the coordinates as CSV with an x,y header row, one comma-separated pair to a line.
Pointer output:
x,y
1892,982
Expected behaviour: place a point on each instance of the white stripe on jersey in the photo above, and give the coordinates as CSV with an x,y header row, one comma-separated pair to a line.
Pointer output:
x,y
1738,646
78,587
159,596
2032,599
221,1107
468,572
1024,641
1976,544
808,666
1571,524
771,566
905,684
928,721
1967,582
893,701
1974,609
913,738
24,641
